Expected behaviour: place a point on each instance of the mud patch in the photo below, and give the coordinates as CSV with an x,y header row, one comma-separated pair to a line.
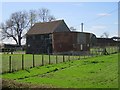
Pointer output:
x,y
6,83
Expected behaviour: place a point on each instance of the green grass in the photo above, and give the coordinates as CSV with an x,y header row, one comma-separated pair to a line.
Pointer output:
x,y
93,72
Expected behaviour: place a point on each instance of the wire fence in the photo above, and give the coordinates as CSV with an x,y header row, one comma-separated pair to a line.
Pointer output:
x,y
15,62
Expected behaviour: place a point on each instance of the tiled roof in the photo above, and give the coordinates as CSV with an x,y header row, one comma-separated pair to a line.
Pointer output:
x,y
45,27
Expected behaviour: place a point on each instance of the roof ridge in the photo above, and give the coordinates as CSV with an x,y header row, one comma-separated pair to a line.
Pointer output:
x,y
49,21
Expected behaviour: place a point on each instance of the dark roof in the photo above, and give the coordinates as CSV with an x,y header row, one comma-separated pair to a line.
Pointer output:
x,y
105,40
48,27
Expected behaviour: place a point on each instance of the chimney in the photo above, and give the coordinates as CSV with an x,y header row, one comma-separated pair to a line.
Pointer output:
x,y
81,27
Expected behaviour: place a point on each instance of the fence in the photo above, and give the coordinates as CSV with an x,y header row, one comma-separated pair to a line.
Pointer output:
x,y
100,50
11,63
14,62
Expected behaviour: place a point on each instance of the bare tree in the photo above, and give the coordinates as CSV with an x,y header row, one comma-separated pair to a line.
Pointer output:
x,y
44,15
19,22
51,18
14,27
105,35
32,17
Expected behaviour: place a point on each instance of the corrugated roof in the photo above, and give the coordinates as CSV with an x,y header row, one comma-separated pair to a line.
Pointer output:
x,y
45,27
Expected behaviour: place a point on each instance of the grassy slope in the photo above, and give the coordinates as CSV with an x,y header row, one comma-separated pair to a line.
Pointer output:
x,y
96,72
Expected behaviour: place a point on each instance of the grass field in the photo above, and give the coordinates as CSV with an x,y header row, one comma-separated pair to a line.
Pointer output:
x,y
93,72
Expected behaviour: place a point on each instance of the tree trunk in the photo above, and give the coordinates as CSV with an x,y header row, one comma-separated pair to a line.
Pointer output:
x,y
19,40
15,40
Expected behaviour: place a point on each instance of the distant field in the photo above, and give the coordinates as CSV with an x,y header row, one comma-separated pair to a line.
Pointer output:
x,y
93,72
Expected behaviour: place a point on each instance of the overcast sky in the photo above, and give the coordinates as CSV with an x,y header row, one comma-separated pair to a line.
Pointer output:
x,y
98,17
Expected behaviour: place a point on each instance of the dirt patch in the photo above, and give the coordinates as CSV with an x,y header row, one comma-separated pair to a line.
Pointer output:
x,y
6,84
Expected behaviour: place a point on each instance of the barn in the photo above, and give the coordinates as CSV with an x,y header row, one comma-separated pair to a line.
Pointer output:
x,y
56,38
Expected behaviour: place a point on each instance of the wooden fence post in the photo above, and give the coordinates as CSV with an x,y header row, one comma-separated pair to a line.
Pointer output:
x,y
95,52
72,56
63,58
68,57
84,56
92,53
112,49
33,61
87,55
56,59
10,66
49,58
79,57
22,62
42,60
